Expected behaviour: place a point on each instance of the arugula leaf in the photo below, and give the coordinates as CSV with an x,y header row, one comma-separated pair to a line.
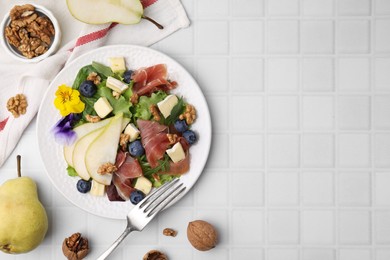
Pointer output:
x,y
71,171
120,105
142,109
102,69
82,76
176,111
163,166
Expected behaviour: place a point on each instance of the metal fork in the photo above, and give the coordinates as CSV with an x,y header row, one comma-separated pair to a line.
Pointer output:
x,y
147,209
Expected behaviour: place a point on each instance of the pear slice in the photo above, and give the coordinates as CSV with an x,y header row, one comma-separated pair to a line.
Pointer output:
x,y
104,149
80,149
105,11
81,131
82,144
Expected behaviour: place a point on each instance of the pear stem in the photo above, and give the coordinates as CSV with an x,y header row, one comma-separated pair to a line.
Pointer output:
x,y
159,26
18,164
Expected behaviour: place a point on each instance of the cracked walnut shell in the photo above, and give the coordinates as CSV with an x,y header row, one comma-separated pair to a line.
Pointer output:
x,y
155,255
75,247
202,235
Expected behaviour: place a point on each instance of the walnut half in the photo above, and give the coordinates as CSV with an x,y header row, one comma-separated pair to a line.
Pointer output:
x,y
107,168
92,119
189,114
169,232
75,247
17,105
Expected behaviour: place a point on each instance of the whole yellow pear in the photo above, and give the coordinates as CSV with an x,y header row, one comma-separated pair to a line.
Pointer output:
x,y
23,219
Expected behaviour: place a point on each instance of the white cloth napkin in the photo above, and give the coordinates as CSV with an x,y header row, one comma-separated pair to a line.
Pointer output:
x,y
32,80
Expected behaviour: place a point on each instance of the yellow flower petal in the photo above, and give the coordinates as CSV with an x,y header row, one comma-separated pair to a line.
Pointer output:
x,y
62,89
79,108
68,100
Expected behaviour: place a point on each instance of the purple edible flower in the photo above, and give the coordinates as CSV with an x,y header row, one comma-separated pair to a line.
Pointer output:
x,y
63,131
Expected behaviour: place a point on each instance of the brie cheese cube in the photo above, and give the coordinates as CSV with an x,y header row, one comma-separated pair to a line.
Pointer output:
x,y
132,131
102,107
117,64
97,189
143,184
176,153
165,106
116,85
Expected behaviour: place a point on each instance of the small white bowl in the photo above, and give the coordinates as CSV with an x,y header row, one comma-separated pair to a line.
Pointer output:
x,y
14,52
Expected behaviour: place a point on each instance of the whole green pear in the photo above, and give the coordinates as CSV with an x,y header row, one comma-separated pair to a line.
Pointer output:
x,y
23,219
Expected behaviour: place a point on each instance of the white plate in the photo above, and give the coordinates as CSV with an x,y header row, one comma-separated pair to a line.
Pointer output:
x,y
135,57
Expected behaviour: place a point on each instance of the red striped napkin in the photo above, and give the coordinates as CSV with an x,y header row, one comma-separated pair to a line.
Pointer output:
x,y
32,80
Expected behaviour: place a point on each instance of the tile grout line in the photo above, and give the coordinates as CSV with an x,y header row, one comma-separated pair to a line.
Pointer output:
x,y
229,207
265,137
372,135
335,173
300,135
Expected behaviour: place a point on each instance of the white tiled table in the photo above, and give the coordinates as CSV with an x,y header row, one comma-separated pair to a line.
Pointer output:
x,y
299,92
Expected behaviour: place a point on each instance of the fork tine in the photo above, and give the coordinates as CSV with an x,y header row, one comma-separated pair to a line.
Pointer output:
x,y
165,201
157,193
164,196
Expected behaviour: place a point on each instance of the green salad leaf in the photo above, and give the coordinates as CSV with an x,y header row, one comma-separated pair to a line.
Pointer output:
x,y
82,76
120,105
163,179
128,92
102,69
71,171
176,111
142,110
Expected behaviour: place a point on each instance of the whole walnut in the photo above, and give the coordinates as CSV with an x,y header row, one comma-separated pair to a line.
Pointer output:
x,y
202,235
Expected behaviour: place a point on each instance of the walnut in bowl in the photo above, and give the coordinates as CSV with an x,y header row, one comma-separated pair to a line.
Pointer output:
x,y
30,33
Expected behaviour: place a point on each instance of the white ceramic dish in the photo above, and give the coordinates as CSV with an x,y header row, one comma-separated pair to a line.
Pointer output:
x,y
12,51
136,57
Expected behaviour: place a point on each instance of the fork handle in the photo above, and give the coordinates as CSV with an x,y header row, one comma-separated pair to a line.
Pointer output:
x,y
127,231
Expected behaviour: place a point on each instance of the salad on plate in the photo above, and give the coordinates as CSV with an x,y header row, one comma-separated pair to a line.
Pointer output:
x,y
123,132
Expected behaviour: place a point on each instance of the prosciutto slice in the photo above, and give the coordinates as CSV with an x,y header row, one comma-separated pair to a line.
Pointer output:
x,y
184,165
112,193
128,169
123,186
150,79
120,158
154,140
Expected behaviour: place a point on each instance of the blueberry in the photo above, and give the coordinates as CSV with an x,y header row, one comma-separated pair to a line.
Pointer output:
x,y
127,76
181,125
136,196
136,149
83,186
75,118
87,88
190,136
